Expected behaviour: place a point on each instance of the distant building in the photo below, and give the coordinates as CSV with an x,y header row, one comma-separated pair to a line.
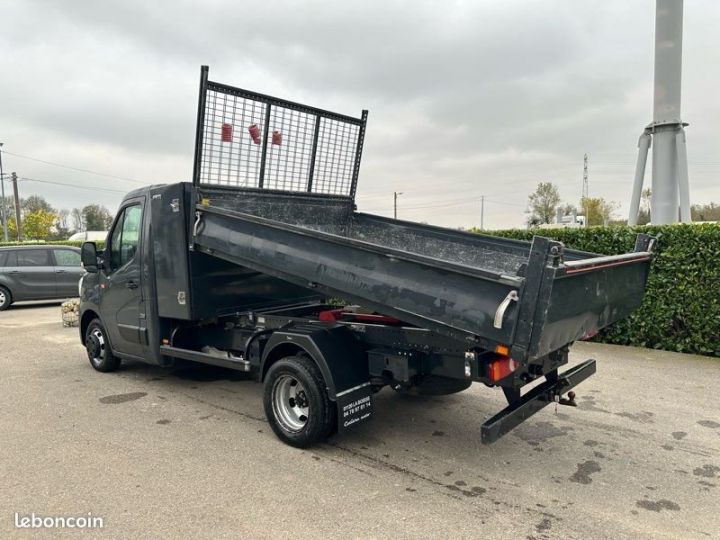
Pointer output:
x,y
565,221
88,236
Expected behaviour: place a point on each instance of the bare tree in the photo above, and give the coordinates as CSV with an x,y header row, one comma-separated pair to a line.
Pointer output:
x,y
78,220
542,203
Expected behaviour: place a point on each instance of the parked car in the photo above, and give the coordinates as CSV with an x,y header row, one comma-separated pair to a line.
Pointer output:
x,y
38,273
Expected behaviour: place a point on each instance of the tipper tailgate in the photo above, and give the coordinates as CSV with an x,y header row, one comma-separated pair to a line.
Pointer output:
x,y
588,295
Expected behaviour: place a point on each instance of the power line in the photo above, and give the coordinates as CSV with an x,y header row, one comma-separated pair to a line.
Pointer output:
x,y
77,168
448,204
91,188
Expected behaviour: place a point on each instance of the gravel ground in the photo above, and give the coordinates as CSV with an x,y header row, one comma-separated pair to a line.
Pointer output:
x,y
187,453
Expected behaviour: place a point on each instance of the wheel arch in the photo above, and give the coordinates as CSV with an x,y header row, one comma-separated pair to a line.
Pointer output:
x,y
8,289
335,350
87,317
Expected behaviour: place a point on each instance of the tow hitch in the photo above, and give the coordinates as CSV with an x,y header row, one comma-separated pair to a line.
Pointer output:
x,y
523,407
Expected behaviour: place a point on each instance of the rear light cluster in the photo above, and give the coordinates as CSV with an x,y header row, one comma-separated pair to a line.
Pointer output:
x,y
500,367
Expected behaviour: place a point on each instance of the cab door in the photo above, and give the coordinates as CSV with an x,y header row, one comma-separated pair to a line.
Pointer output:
x,y
120,281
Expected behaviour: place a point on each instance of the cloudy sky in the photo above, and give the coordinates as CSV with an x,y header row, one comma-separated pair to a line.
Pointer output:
x,y
466,98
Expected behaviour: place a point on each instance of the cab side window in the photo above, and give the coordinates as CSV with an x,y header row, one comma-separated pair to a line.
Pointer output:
x,y
125,236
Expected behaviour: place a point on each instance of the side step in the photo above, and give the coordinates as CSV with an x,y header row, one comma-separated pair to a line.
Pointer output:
x,y
237,364
516,413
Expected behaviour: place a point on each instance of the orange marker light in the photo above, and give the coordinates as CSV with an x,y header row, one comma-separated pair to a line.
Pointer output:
x,y
502,349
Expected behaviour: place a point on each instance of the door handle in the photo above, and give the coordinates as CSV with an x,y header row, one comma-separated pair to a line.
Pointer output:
x,y
131,284
61,271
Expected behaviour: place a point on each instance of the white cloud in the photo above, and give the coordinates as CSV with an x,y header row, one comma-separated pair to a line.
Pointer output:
x,y
466,98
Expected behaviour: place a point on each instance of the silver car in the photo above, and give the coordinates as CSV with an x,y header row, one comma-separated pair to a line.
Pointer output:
x,y
38,273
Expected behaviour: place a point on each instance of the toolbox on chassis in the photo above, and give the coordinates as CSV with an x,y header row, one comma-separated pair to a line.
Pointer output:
x,y
236,268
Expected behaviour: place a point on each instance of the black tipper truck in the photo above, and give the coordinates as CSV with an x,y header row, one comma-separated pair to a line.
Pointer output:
x,y
244,267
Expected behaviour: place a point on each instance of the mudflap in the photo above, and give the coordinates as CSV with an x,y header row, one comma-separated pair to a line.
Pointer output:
x,y
354,406
537,398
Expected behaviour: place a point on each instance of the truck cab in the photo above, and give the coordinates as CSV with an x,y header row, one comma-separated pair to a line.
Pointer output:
x,y
114,289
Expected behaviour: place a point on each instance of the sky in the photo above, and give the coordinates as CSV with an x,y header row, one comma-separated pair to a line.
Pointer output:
x,y
466,98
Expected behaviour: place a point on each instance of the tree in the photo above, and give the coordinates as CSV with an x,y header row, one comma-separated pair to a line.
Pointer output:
x,y
77,219
96,217
34,203
37,224
63,226
569,209
597,211
542,204
705,212
645,203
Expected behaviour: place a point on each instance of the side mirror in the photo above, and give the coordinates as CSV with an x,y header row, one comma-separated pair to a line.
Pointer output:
x,y
89,257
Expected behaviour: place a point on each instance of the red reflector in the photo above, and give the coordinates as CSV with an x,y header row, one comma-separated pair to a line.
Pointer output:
x,y
331,315
501,367
226,134
254,131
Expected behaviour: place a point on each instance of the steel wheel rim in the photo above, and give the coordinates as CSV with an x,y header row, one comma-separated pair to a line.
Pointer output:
x,y
290,403
97,334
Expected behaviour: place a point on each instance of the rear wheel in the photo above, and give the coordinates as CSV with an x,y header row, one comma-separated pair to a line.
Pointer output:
x,y
5,298
98,348
296,402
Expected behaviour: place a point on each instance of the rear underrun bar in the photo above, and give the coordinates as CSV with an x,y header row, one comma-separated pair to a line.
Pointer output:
x,y
536,399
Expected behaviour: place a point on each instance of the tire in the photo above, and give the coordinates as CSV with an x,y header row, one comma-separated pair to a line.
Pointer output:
x,y
98,348
296,402
5,298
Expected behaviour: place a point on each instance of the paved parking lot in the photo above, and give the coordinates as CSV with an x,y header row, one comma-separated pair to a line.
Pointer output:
x,y
187,452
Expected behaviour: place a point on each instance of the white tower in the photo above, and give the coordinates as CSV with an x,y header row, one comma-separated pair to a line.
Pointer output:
x,y
670,186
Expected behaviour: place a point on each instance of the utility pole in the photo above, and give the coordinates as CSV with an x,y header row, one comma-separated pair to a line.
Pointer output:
x,y
482,212
666,133
18,223
585,188
3,214
395,196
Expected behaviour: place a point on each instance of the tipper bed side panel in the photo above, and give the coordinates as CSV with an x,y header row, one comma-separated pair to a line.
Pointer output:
x,y
452,302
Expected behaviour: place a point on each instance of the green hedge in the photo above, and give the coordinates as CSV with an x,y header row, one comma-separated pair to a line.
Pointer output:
x,y
681,311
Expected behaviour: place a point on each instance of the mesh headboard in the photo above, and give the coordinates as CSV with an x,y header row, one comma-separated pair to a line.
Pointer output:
x,y
250,140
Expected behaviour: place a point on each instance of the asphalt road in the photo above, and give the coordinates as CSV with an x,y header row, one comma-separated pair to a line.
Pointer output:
x,y
187,453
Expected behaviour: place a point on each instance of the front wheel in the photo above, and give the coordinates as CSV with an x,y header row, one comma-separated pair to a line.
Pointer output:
x,y
98,348
296,402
